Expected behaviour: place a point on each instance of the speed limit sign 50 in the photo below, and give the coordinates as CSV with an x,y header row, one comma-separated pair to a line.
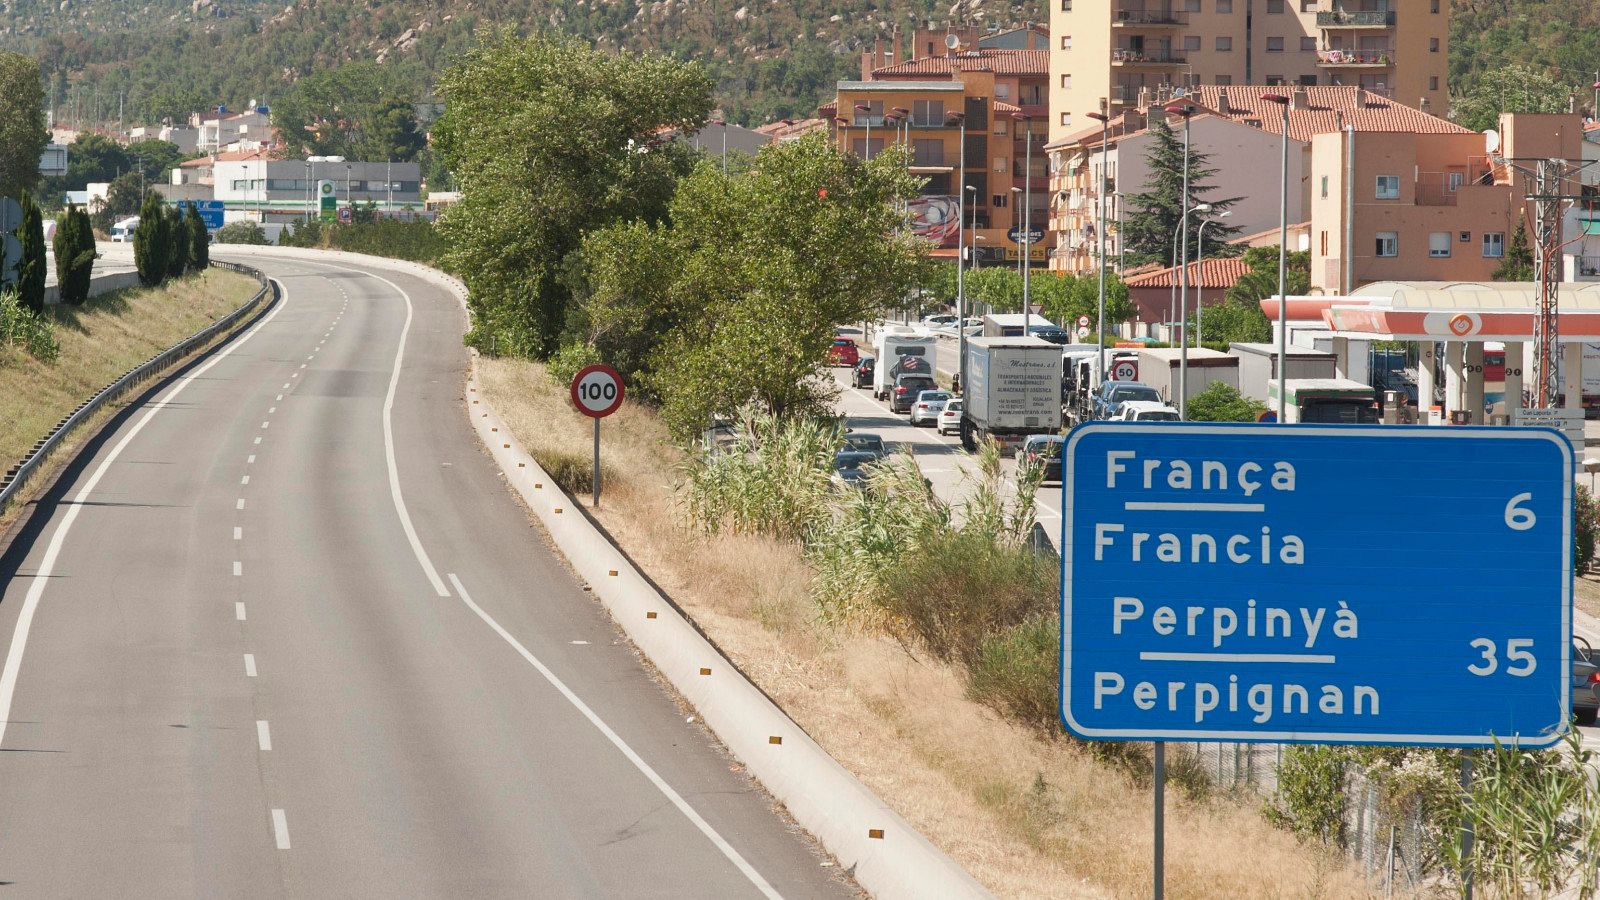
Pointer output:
x,y
597,391
1125,370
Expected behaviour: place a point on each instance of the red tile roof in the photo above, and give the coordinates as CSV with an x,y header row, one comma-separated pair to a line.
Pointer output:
x,y
1000,106
1215,274
1000,62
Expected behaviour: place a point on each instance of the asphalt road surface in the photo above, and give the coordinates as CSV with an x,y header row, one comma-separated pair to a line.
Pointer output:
x,y
283,631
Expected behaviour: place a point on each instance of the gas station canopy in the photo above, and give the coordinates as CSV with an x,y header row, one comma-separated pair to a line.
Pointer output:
x,y
1445,310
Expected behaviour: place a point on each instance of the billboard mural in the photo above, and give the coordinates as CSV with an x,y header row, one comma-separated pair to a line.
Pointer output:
x,y
936,218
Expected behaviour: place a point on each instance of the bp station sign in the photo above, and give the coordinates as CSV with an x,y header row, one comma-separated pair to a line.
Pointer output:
x,y
1344,584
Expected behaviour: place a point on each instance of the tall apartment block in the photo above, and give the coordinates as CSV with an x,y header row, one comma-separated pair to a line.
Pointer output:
x,y
1118,49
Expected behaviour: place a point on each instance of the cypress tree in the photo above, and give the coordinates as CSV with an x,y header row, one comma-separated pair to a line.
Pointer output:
x,y
74,247
199,240
1153,214
150,253
177,242
31,270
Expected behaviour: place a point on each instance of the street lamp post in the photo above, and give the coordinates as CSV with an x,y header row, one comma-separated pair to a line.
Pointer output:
x,y
1100,258
1027,218
1283,260
349,201
1187,111
866,108
308,192
960,120
1199,271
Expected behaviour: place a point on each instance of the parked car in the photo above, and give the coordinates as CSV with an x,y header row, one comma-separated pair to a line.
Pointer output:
x,y
949,421
906,389
865,442
862,376
940,320
1108,403
843,352
1148,411
1585,682
928,406
1042,450
852,468
1053,335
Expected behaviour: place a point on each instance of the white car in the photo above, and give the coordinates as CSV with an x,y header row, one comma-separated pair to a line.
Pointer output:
x,y
925,410
940,320
949,421
1148,411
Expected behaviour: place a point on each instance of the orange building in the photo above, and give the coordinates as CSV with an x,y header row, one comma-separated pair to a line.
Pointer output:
x,y
912,102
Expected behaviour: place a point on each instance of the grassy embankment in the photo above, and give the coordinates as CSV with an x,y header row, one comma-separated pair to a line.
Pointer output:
x,y
1027,816
99,340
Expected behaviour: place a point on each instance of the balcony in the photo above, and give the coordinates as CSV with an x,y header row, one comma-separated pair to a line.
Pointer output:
x,y
1355,59
1124,94
1148,18
1345,18
1148,58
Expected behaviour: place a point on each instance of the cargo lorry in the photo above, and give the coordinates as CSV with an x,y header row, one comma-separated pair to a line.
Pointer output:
x,y
1160,368
1013,390
1325,401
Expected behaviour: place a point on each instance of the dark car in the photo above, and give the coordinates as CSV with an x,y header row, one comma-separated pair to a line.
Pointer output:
x,y
843,352
864,442
1042,450
865,369
906,388
1056,336
853,467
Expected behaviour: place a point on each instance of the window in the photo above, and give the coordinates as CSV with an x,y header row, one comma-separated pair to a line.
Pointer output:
x,y
928,151
1274,45
1324,187
1388,187
1494,244
1466,237
1439,244
1066,42
1435,9
1224,44
1308,80
1066,119
1066,5
1308,43
1191,42
1273,81
999,201
1274,6
999,164
1308,5
1433,45
1388,243
1066,84
1223,80
1324,236
1191,5
927,113
1433,82
1224,6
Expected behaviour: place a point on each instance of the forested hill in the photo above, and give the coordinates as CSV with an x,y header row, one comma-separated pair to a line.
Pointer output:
x,y
1560,36
772,58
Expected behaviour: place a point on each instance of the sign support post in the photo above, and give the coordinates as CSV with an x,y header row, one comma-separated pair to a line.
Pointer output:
x,y
597,392
1160,780
596,501
1466,825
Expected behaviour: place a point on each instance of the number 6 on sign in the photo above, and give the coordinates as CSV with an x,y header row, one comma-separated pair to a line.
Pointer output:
x,y
1518,518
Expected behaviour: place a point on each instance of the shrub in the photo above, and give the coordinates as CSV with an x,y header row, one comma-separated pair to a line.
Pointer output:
x,y
1222,402
75,254
199,239
1585,519
775,480
177,242
241,233
31,269
150,254
574,472
1017,672
27,329
565,363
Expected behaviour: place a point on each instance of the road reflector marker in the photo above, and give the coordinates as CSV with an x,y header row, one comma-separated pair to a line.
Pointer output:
x,y
506,446
650,615
775,739
521,465
538,486
558,510
875,833
612,573
494,429
704,671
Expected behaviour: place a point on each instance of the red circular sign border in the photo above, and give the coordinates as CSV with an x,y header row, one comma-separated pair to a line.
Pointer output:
x,y
589,370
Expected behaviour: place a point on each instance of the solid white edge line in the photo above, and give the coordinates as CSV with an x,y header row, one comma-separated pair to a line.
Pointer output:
x,y
280,829
30,603
621,745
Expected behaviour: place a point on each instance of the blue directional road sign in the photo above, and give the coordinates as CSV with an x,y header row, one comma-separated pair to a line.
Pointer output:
x,y
1329,584
210,213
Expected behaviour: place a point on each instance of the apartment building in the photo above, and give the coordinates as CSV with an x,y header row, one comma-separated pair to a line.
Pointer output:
x,y
912,101
1108,51
1238,130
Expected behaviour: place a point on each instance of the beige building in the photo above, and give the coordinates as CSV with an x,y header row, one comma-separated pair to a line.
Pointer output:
x,y
1109,51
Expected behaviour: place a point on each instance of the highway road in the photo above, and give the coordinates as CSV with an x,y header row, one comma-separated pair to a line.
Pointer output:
x,y
283,631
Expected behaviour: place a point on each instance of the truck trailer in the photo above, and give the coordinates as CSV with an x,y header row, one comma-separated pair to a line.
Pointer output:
x,y
1159,368
1013,389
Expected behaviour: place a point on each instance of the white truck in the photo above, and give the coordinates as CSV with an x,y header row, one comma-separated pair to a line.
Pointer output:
x,y
893,342
1326,401
122,230
1013,389
1160,367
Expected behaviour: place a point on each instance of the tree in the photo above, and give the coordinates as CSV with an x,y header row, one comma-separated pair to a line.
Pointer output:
x,y
94,158
550,139
155,159
736,297
151,255
1510,88
241,233
123,198
177,241
75,253
1239,319
199,239
1518,264
1222,402
32,269
1151,222
360,110
22,126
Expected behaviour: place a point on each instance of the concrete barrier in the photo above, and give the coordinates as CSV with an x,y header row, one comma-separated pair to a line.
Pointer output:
x,y
888,857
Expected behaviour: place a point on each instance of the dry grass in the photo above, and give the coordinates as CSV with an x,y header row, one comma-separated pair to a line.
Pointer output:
x,y
100,340
1027,817
1586,593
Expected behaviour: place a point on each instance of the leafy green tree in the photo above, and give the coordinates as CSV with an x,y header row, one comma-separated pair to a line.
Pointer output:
x,y
745,286
123,198
93,157
75,254
1151,222
1585,523
1518,262
177,241
1510,88
199,239
22,127
997,288
151,255
31,270
360,110
1222,402
1239,319
549,140
241,233
155,159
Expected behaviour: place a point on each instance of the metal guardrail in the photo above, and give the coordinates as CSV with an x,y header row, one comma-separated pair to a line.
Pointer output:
x,y
11,484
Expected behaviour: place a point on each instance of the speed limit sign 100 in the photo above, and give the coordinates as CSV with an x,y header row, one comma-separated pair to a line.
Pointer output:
x,y
597,391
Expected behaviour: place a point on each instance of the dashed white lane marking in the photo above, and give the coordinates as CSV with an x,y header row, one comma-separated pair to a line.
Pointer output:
x,y
42,577
265,424
250,460
627,751
271,410
313,356
302,365
250,665
238,533
240,504
244,479
280,829
238,611
258,440
263,735
238,568
280,398
285,386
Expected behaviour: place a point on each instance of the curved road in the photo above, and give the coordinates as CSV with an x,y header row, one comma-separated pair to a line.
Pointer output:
x,y
259,642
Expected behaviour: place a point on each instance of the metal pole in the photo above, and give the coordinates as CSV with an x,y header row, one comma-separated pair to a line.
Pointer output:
x,y
1027,227
1161,824
597,463
1466,826
1183,284
961,283
1100,306
725,144
1200,284
1283,272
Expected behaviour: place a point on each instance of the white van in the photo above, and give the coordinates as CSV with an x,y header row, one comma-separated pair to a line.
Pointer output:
x,y
122,231
893,342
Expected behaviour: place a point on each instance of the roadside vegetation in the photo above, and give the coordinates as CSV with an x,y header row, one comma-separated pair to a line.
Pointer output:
x,y
417,241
